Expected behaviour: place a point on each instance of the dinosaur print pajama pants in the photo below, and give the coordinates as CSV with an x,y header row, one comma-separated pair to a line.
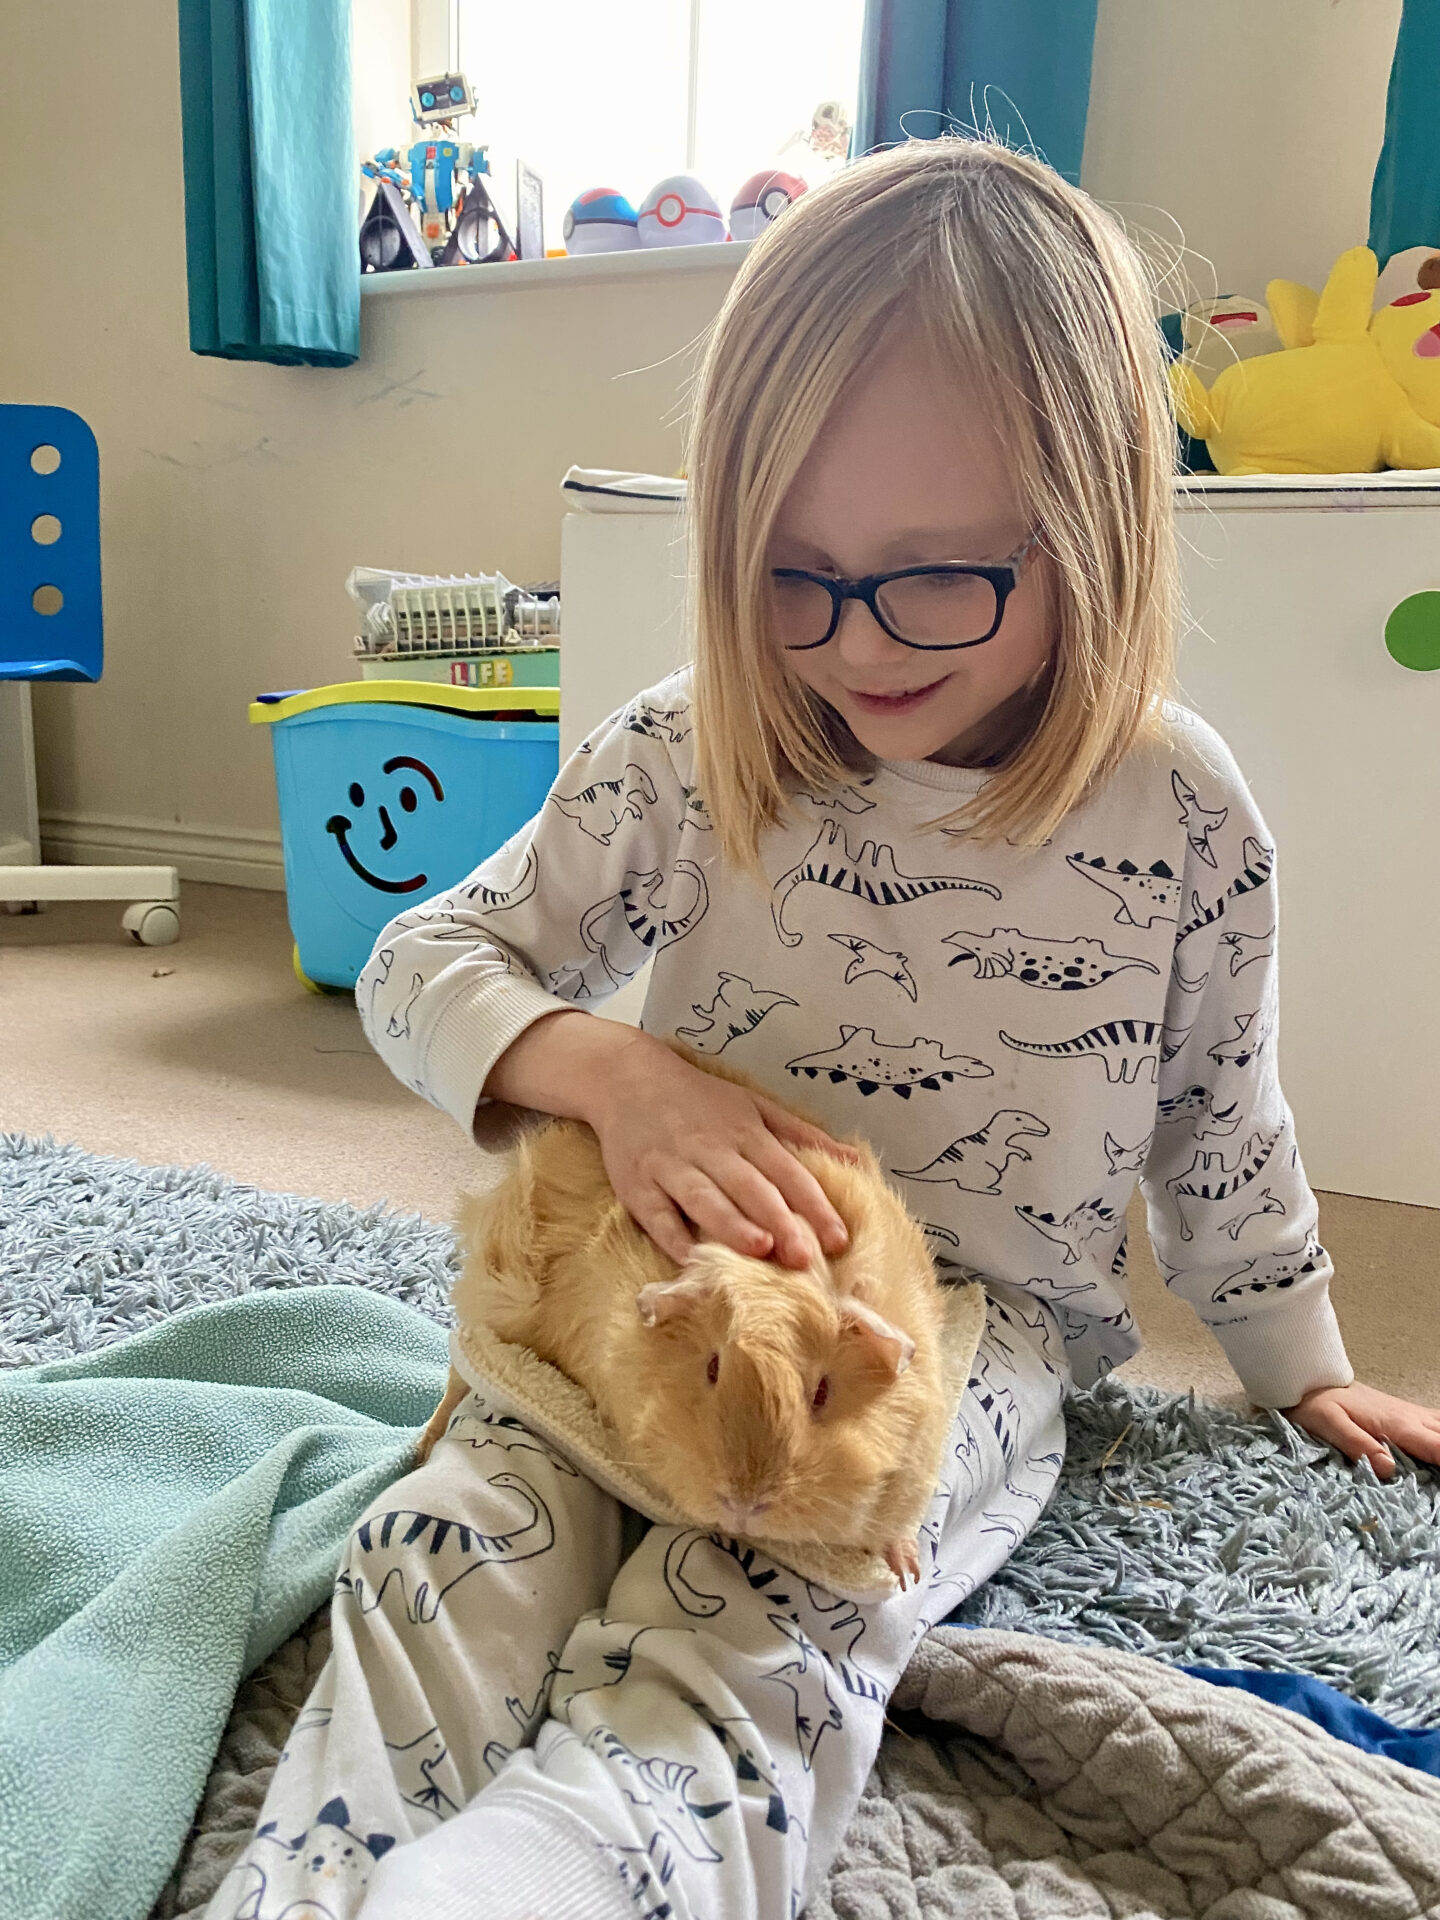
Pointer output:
x,y
521,1722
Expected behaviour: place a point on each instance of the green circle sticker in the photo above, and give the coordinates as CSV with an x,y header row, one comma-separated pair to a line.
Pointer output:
x,y
1412,633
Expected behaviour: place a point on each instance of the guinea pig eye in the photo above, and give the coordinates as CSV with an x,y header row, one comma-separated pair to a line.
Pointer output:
x,y
820,1395
712,1368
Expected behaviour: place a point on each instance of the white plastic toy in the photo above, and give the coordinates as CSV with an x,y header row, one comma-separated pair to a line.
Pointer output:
x,y
680,211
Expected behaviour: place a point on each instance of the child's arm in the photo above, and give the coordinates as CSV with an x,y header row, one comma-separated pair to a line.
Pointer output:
x,y
1232,1218
538,928
483,992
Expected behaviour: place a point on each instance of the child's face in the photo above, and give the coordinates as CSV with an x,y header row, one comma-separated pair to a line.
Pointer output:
x,y
906,471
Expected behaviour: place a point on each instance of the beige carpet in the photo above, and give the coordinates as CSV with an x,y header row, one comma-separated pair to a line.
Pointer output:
x,y
211,1051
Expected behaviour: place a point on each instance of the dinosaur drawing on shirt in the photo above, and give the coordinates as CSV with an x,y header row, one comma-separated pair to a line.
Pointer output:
x,y
1127,1159
568,983
998,1404
332,1859
693,811
1256,1205
870,875
1145,894
1056,1292
670,724
424,1555
815,1706
1123,1046
1259,865
1247,948
1248,1042
1063,966
838,1626
1209,1179
866,957
662,1787
415,1765
847,799
599,808
1198,1103
652,911
738,1008
1172,1040
977,1162
398,1025
1199,823
501,899
1080,1326
871,1064
1077,1227
755,1773
381,964
1279,1269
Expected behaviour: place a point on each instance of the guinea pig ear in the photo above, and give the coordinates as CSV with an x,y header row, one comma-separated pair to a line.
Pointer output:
x,y
886,1347
663,1301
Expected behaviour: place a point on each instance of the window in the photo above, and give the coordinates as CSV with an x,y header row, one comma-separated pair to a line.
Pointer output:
x,y
621,94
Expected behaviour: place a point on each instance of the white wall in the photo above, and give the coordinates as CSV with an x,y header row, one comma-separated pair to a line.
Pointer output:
x,y
236,497
1254,124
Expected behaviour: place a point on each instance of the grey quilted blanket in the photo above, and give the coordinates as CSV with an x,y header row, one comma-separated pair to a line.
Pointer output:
x,y
1026,1779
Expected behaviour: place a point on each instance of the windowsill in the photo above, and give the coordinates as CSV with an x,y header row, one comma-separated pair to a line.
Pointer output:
x,y
637,263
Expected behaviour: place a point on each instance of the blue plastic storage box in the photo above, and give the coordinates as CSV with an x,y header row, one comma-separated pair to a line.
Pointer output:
x,y
392,790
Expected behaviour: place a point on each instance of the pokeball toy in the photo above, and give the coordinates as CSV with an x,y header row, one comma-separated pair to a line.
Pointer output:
x,y
600,220
680,211
760,200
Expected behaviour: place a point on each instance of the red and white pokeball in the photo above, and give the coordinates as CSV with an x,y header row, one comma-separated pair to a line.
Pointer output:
x,y
763,197
680,211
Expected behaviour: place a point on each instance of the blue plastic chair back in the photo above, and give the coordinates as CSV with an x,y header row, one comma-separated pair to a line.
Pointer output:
x,y
49,546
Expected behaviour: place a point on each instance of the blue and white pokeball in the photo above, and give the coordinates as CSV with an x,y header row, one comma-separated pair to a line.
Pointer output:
x,y
763,197
680,211
600,220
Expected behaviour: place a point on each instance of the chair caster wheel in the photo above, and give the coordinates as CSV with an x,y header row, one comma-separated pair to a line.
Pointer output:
x,y
152,923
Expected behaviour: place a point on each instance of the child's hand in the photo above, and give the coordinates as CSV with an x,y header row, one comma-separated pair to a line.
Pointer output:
x,y
1359,1420
684,1149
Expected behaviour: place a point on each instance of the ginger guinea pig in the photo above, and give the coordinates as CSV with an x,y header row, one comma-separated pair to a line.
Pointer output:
x,y
764,1401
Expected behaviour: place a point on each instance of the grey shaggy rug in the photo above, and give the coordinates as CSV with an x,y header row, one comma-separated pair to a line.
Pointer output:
x,y
1180,1530
1184,1532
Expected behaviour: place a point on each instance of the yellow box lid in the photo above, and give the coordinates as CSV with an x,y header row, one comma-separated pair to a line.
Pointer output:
x,y
544,701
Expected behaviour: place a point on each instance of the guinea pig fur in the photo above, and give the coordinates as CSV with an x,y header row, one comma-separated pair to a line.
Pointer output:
x,y
786,1405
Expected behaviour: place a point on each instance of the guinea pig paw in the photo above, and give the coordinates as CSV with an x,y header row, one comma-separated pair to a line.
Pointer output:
x,y
903,1559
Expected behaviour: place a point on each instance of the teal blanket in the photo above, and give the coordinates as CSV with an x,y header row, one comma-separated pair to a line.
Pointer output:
x,y
171,1509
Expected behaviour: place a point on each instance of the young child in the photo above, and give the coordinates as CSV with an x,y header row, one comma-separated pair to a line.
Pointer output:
x,y
918,843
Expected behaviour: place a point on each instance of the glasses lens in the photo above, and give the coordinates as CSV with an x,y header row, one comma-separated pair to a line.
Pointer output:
x,y
939,609
802,611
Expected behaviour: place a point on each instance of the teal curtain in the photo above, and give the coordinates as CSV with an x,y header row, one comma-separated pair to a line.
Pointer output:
x,y
1024,64
271,246
1405,198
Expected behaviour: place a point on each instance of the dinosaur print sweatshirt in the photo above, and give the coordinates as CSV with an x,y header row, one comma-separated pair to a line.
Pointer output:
x,y
1021,1035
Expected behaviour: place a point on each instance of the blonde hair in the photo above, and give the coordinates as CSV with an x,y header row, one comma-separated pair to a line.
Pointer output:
x,y
1034,295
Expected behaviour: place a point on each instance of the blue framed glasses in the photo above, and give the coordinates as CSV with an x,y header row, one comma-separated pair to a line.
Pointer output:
x,y
935,608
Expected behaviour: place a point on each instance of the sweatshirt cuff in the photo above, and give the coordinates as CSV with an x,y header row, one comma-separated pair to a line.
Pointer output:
x,y
473,1030
507,1856
1283,1355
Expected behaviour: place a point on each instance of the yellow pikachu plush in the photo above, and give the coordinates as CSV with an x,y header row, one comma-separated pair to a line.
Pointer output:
x,y
1351,391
